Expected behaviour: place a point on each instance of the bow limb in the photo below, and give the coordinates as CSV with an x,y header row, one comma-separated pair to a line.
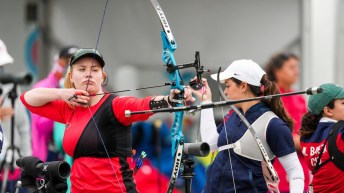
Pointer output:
x,y
272,180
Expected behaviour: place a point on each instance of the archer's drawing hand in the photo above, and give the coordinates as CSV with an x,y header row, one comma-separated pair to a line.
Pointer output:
x,y
75,97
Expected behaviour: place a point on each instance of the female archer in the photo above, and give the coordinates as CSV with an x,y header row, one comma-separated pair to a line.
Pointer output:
x,y
322,139
237,167
97,135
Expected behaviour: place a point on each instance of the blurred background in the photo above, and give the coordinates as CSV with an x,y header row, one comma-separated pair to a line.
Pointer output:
x,y
222,30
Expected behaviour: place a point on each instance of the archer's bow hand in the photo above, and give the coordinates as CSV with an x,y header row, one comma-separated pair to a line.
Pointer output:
x,y
203,94
187,95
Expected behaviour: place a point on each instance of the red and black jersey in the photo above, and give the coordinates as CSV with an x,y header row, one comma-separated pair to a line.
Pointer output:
x,y
116,136
328,178
92,171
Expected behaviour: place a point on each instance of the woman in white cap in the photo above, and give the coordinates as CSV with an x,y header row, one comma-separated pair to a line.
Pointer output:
x,y
235,170
97,135
322,139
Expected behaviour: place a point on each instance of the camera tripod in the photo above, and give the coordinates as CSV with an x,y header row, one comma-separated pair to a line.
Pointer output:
x,y
188,172
6,166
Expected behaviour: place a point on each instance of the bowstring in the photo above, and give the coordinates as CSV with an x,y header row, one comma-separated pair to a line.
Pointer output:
x,y
88,106
229,152
224,97
98,37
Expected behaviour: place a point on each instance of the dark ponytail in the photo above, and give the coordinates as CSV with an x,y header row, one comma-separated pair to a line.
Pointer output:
x,y
309,124
276,104
310,121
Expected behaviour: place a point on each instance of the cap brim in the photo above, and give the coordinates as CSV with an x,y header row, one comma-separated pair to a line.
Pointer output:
x,y
6,59
222,77
340,95
91,55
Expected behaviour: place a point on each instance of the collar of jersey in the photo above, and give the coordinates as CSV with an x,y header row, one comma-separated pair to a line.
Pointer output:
x,y
326,120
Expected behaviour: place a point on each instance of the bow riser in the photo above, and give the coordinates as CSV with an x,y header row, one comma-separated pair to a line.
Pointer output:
x,y
168,58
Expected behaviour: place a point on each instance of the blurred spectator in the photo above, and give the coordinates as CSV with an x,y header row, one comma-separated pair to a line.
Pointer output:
x,y
283,69
150,180
42,127
155,140
22,138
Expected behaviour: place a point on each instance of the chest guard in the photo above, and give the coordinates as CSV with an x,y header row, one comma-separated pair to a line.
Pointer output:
x,y
247,146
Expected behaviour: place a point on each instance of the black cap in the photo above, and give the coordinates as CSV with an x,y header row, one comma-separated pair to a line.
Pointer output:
x,y
68,51
87,52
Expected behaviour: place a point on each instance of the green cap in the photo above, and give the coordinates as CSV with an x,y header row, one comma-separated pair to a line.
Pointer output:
x,y
316,103
87,52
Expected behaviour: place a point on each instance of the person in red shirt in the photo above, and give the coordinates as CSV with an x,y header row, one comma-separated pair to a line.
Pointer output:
x,y
283,69
98,134
322,138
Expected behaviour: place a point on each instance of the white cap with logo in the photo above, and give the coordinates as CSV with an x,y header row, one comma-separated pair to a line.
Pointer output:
x,y
5,57
244,70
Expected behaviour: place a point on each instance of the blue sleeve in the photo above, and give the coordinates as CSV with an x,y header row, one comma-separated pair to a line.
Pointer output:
x,y
279,138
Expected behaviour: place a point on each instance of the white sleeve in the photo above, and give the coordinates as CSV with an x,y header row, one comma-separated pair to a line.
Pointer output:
x,y
23,125
293,168
208,127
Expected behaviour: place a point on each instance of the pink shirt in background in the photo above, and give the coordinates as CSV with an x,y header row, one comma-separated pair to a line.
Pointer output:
x,y
296,107
41,127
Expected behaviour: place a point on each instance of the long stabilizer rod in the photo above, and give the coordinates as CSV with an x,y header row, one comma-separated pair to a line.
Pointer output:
x,y
309,91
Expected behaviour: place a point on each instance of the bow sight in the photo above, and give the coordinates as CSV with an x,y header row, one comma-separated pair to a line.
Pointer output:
x,y
195,84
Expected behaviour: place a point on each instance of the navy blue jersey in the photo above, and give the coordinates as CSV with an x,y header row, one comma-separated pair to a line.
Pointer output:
x,y
248,173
